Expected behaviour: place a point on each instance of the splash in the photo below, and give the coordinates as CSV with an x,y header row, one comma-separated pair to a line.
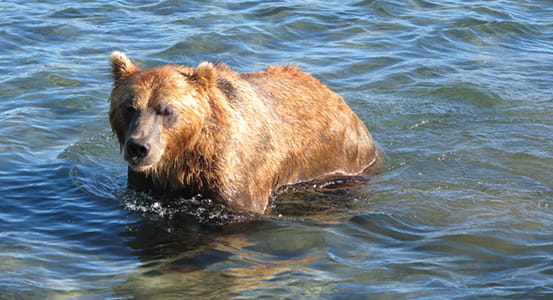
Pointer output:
x,y
203,210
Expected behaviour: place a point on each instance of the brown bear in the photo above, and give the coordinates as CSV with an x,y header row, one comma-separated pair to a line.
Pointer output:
x,y
233,137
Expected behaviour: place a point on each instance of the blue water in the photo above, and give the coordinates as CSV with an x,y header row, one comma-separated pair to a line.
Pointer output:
x,y
458,93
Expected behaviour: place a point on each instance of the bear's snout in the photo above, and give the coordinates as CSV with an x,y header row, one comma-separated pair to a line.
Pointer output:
x,y
137,148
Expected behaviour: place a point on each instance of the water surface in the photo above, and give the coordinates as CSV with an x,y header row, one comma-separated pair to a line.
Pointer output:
x,y
458,93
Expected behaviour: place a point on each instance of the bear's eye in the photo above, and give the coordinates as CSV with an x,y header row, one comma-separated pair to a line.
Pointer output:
x,y
129,108
164,110
129,111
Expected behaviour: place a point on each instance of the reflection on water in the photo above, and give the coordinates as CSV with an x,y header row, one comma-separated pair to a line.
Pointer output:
x,y
218,261
457,93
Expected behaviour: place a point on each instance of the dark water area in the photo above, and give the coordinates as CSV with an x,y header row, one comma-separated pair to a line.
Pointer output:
x,y
457,93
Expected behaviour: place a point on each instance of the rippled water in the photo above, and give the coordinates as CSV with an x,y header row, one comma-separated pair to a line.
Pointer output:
x,y
458,93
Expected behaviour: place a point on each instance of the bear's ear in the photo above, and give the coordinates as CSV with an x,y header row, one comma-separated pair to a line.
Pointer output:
x,y
205,74
122,67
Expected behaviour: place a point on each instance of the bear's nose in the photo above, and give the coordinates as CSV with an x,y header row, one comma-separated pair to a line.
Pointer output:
x,y
138,148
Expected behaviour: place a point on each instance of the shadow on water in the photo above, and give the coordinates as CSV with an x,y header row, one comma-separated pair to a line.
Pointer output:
x,y
332,197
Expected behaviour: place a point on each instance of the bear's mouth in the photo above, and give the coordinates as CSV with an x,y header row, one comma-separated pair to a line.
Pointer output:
x,y
138,166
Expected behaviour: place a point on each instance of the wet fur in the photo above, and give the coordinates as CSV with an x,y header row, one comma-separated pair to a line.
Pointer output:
x,y
242,136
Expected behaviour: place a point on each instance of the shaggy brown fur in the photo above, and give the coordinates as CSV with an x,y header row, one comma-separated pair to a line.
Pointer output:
x,y
233,137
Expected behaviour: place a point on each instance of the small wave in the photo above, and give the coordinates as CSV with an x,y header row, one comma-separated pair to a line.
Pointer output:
x,y
470,95
95,165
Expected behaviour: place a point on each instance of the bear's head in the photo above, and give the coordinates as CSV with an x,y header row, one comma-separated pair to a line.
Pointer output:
x,y
157,114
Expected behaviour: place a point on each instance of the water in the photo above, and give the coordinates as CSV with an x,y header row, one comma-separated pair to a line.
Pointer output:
x,y
458,94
